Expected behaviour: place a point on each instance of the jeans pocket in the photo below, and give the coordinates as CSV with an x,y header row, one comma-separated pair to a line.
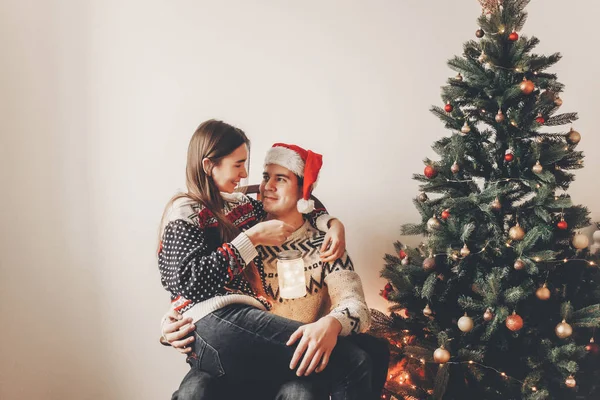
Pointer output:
x,y
207,358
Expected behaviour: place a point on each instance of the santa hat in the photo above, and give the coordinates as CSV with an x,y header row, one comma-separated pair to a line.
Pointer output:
x,y
304,163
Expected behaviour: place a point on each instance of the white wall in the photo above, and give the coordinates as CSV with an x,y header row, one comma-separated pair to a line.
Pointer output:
x,y
98,101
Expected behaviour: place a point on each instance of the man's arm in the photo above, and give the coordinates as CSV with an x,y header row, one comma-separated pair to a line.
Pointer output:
x,y
348,304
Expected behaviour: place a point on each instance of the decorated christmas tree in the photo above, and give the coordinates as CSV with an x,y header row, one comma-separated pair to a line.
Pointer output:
x,y
501,299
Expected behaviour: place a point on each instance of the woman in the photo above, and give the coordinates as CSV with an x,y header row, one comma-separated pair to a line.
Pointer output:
x,y
207,261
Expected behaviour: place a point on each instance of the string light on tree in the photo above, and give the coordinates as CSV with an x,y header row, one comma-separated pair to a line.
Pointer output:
x,y
570,382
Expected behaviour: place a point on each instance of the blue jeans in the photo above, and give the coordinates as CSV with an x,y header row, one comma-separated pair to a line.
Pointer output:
x,y
241,346
208,377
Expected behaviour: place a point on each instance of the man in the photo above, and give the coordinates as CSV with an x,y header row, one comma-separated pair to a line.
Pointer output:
x,y
334,304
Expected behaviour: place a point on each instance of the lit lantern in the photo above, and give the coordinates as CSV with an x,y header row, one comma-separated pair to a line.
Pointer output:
x,y
290,271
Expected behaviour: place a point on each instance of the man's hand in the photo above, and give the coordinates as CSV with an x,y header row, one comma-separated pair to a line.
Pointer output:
x,y
334,243
317,341
177,331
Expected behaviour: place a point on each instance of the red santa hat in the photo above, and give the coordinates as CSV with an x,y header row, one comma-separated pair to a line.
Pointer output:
x,y
304,163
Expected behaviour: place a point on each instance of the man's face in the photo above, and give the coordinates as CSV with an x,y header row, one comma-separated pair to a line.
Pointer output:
x,y
279,190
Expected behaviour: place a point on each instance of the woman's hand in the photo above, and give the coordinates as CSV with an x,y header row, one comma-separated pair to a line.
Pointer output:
x,y
269,233
177,331
334,243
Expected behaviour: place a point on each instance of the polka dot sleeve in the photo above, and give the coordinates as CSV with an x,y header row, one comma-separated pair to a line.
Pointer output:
x,y
189,268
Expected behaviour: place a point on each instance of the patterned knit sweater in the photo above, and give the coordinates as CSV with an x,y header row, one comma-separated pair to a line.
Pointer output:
x,y
332,289
201,273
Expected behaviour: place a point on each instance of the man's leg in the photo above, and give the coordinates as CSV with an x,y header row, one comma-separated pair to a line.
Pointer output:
x,y
243,344
379,351
303,389
198,385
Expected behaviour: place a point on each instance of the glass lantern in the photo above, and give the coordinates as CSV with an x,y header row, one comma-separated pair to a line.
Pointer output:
x,y
290,272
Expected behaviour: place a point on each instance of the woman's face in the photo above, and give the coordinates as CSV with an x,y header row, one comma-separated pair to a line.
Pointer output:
x,y
231,170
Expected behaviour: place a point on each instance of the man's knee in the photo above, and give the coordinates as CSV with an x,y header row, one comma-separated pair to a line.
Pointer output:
x,y
197,385
301,389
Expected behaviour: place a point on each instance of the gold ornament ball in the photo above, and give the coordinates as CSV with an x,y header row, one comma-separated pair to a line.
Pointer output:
x,y
465,128
429,263
427,311
423,197
441,355
465,251
519,264
433,224
465,323
516,232
488,315
543,293
570,382
558,102
459,77
455,168
574,137
563,330
496,205
500,117
580,241
537,168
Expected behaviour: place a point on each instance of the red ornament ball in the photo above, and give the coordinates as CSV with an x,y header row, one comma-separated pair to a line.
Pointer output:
x,y
540,120
527,86
448,108
513,37
430,172
514,322
445,214
592,348
388,287
384,294
562,225
402,254
508,157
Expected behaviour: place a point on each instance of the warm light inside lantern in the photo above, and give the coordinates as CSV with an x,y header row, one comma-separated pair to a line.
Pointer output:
x,y
290,271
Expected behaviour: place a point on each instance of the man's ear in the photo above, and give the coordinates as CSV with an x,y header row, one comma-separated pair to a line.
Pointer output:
x,y
207,166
